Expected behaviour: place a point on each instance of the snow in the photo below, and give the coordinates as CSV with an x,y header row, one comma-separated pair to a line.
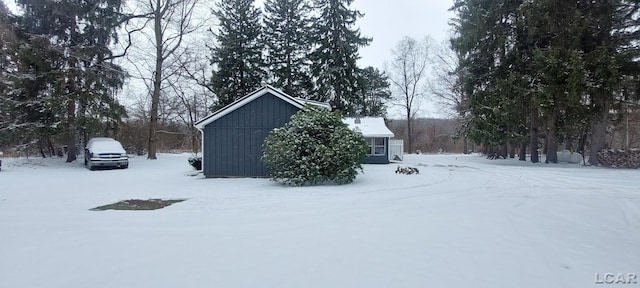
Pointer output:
x,y
464,221
369,126
105,145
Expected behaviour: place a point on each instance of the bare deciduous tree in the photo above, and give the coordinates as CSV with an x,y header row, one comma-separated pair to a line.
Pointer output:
x,y
191,96
447,85
408,75
172,21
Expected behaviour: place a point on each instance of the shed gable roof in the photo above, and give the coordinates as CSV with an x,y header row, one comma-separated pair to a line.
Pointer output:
x,y
248,99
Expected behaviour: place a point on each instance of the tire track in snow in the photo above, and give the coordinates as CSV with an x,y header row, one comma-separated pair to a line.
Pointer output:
x,y
629,211
449,178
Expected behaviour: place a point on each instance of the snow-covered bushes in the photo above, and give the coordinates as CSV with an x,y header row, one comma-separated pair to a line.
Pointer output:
x,y
313,148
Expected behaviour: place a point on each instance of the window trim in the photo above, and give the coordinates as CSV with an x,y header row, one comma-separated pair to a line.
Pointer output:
x,y
372,146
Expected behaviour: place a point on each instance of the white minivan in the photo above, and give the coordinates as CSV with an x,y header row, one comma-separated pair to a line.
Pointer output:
x,y
105,152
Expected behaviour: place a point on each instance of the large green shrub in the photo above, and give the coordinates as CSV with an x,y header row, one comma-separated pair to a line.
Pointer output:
x,y
314,147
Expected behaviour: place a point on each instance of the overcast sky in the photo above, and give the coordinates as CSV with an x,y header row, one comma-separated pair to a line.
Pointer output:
x,y
387,21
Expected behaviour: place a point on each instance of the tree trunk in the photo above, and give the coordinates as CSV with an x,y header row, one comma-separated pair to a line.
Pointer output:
x,y
582,143
512,151
570,142
489,151
157,81
409,131
52,149
71,104
502,153
337,103
194,141
599,132
523,152
465,144
71,141
72,129
41,148
533,145
552,141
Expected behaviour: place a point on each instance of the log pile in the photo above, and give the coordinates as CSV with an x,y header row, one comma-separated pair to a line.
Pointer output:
x,y
620,158
407,170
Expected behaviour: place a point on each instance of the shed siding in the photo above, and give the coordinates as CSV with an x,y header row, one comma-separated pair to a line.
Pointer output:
x,y
379,159
234,142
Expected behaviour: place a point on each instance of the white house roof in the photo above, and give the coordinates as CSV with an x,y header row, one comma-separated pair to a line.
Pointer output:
x,y
252,96
369,126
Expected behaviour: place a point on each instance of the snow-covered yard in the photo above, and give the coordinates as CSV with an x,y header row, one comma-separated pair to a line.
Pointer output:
x,y
464,221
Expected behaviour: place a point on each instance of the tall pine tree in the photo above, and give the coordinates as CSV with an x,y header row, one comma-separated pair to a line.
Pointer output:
x,y
334,59
287,24
68,63
488,57
237,54
7,48
373,93
9,45
603,45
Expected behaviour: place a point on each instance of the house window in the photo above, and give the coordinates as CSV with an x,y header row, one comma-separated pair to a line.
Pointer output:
x,y
377,146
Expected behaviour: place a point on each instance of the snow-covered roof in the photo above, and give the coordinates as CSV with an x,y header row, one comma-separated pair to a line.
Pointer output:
x,y
105,145
297,102
314,103
369,126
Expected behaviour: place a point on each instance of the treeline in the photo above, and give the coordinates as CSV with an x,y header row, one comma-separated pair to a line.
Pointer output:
x,y
60,83
546,74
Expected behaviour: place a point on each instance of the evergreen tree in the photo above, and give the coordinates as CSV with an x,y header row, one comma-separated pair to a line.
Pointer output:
x,y
10,42
7,48
63,76
556,27
287,23
373,93
607,46
237,55
334,60
489,57
33,110
7,42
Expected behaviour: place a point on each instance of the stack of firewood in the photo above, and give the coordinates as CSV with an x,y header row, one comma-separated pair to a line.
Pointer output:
x,y
620,158
407,170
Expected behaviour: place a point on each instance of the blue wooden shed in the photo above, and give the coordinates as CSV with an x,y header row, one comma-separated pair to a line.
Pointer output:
x,y
232,137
